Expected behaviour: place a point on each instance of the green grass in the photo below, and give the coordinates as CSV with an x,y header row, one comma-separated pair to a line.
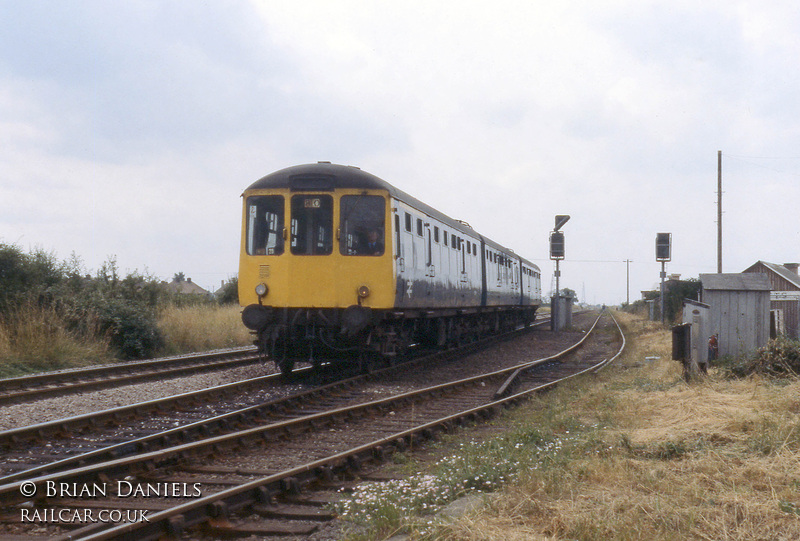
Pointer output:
x,y
382,508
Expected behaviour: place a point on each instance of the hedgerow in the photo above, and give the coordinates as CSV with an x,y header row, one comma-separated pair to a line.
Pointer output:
x,y
121,311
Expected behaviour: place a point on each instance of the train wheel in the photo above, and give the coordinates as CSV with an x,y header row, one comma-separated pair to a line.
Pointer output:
x,y
441,333
366,362
285,366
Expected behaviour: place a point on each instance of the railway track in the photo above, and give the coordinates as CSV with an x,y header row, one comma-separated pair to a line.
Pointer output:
x,y
38,386
113,433
252,469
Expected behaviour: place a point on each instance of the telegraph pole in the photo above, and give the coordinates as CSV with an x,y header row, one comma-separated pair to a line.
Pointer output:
x,y
627,281
719,212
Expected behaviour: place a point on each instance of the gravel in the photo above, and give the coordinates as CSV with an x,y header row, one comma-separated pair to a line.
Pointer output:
x,y
51,409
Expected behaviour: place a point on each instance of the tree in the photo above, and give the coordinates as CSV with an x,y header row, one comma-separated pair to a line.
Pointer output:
x,y
567,292
230,292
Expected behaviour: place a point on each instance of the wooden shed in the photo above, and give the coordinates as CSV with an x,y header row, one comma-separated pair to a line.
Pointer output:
x,y
739,310
784,310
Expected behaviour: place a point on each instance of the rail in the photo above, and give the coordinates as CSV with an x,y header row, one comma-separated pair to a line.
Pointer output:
x,y
263,489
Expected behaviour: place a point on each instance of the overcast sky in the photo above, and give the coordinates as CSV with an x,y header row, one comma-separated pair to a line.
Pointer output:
x,y
129,129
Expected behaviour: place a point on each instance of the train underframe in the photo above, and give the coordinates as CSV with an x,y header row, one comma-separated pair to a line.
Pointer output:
x,y
364,338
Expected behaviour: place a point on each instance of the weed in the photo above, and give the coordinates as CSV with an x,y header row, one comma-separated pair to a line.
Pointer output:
x,y
634,453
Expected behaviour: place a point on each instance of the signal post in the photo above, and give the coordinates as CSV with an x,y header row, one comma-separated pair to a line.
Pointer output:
x,y
557,253
663,254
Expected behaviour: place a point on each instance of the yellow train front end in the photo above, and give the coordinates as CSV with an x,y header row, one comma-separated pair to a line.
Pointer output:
x,y
315,265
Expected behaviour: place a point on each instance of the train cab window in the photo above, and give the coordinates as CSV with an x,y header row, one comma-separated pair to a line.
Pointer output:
x,y
362,225
312,225
436,234
408,222
469,248
265,225
419,227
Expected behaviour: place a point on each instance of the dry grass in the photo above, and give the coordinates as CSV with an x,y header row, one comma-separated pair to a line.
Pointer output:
x,y
37,339
34,339
202,327
654,458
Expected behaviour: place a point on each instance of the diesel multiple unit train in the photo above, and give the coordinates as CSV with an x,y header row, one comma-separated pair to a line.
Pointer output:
x,y
339,265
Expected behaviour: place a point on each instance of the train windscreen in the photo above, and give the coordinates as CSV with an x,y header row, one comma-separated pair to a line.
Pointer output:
x,y
312,225
362,225
265,225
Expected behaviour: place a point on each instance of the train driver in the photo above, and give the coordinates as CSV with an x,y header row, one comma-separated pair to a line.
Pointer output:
x,y
373,244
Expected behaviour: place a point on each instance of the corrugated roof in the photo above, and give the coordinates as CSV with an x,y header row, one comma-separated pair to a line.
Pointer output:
x,y
783,272
696,303
735,282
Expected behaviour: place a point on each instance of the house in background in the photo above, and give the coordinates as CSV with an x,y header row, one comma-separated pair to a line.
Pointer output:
x,y
784,307
739,307
185,287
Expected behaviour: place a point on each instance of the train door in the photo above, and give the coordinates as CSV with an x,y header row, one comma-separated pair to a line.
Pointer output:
x,y
427,240
462,256
412,257
483,266
436,247
404,261
526,277
398,245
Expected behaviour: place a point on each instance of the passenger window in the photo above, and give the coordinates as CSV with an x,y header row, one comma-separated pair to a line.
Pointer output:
x,y
445,238
435,234
362,225
408,222
265,225
419,227
312,225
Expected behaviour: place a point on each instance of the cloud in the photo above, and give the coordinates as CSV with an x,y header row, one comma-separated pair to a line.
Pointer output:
x,y
132,128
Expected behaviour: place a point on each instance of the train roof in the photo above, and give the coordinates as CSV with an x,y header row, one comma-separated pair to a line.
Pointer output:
x,y
326,176
323,176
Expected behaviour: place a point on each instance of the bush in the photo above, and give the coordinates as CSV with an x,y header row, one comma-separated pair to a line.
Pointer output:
x,y
130,327
779,358
230,292
113,311
121,311
25,276
54,315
